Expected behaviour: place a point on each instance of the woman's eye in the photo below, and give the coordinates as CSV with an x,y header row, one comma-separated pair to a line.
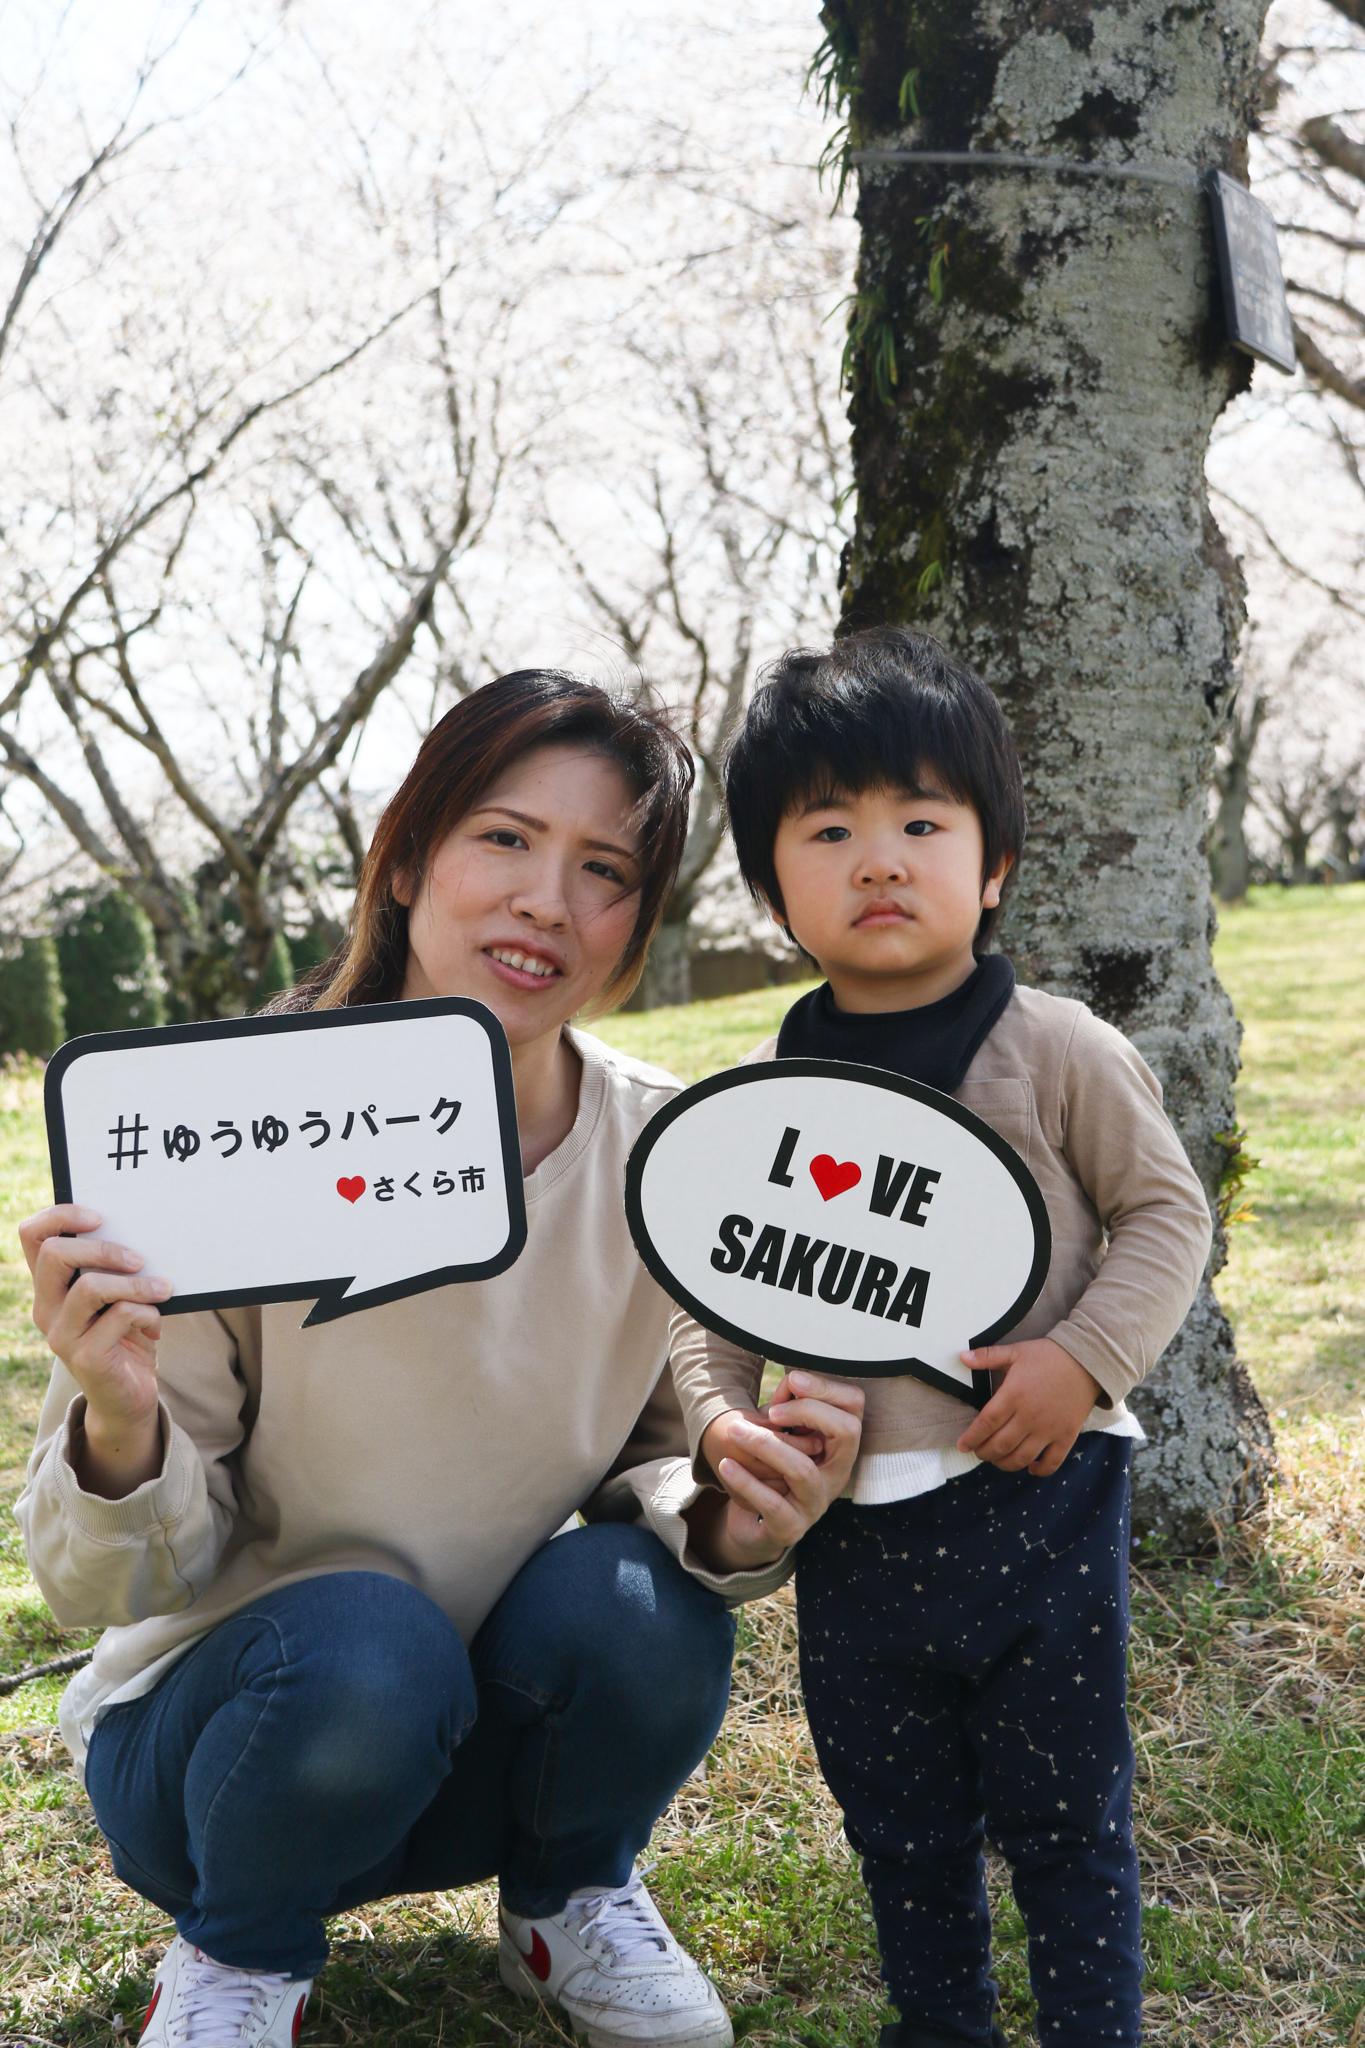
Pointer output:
x,y
605,869
503,835
920,828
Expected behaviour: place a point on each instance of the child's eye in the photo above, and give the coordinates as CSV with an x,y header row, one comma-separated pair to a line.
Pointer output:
x,y
831,834
920,828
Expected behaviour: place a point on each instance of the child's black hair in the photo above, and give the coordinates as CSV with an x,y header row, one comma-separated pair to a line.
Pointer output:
x,y
879,710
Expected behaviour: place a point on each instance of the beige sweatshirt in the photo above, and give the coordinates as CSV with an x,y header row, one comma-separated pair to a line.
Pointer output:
x,y
1130,1226
441,1439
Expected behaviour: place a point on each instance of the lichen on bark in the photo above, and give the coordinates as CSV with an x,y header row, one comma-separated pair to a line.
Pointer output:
x,y
1044,445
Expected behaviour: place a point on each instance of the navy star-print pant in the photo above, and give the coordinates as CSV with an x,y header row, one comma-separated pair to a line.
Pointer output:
x,y
963,1661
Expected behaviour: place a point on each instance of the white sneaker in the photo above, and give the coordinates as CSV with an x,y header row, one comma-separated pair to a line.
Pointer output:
x,y
609,1962
197,2003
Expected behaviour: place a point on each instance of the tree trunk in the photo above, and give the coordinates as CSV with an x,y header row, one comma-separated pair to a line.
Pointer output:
x,y
1230,858
1037,363
1298,836
1228,852
668,971
1342,812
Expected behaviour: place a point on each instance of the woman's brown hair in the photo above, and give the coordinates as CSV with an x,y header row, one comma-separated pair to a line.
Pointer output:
x,y
461,757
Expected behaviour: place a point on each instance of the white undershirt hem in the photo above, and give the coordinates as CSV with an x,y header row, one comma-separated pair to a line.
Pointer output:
x,y
884,1476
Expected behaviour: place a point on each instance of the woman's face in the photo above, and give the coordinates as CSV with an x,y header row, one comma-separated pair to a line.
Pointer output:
x,y
530,901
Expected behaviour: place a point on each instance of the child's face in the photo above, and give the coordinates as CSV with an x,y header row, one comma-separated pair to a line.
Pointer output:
x,y
885,890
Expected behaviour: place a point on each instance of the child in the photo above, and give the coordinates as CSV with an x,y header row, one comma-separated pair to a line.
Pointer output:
x,y
963,1610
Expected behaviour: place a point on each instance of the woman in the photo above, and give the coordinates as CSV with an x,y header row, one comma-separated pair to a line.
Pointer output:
x,y
344,1659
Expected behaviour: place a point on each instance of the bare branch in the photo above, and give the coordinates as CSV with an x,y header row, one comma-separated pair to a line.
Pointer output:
x,y
48,231
35,655
1350,455
1350,244
632,632
66,691
1333,146
55,218
154,740
67,809
691,633
1354,314
1321,368
1339,597
268,819
10,861
284,647
353,839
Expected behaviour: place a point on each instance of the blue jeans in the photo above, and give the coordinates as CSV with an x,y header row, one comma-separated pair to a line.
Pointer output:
x,y
335,1742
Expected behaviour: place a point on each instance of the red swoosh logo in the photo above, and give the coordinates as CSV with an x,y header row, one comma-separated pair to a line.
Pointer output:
x,y
536,1957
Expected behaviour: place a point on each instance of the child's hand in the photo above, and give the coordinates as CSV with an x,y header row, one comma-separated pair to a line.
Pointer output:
x,y
1031,1422
780,1413
740,1434
768,1507
819,1417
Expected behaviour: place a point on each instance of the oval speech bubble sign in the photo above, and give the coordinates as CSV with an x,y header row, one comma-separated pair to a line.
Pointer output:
x,y
839,1217
347,1156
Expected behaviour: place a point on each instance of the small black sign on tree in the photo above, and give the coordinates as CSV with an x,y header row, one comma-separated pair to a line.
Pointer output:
x,y
1255,307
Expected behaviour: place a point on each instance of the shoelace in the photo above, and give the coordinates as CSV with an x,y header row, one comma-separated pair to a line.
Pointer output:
x,y
625,1921
218,2003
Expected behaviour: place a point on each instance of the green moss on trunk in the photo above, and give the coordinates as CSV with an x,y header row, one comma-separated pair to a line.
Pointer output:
x,y
1030,486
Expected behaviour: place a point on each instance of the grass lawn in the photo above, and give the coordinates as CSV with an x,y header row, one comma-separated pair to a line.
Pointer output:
x,y
1248,1698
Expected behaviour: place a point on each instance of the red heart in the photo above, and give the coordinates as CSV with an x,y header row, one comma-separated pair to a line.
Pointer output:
x,y
834,1176
352,1190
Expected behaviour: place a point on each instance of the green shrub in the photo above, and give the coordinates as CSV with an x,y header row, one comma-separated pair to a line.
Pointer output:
x,y
109,969
279,971
308,949
32,1015
210,983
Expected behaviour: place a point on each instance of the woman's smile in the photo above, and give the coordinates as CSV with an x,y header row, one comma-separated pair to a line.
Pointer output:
x,y
522,967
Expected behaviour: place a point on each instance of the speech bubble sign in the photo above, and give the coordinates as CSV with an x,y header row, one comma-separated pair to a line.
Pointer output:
x,y
355,1156
840,1217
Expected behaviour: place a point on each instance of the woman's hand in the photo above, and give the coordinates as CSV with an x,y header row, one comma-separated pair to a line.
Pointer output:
x,y
732,1435
771,1502
97,1311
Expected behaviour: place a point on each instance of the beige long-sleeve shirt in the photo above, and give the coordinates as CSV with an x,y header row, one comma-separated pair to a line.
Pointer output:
x,y
441,1439
1130,1228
